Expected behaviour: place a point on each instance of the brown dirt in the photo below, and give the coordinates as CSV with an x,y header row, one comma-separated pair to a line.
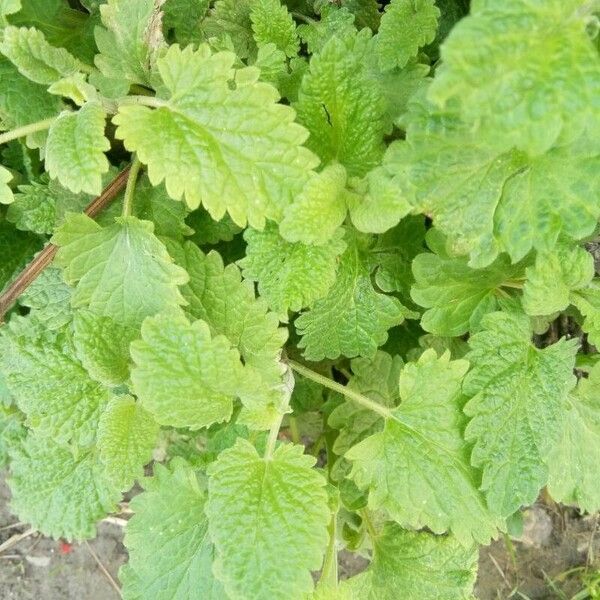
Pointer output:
x,y
35,568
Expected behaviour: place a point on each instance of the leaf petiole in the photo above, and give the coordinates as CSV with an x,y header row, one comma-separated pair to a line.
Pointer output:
x,y
130,187
19,132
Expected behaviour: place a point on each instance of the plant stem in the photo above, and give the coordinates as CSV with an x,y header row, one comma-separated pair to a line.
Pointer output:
x,y
272,439
151,101
294,431
366,517
329,574
130,188
14,134
342,389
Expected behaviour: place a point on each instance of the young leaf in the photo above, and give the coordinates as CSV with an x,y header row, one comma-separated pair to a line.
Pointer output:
x,y
341,106
8,7
127,435
456,296
75,148
518,402
290,276
170,552
216,294
120,271
61,493
587,300
50,385
273,24
129,40
418,468
418,564
319,210
35,57
406,26
102,346
257,506
6,194
230,20
184,376
573,462
524,85
353,319
338,22
238,150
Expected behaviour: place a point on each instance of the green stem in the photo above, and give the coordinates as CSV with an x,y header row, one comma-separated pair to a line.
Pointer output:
x,y
294,431
329,574
14,134
150,101
272,439
366,517
130,188
342,389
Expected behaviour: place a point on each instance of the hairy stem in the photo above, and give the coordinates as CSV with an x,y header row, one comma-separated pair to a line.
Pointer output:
x,y
15,134
276,426
342,389
329,574
134,171
45,257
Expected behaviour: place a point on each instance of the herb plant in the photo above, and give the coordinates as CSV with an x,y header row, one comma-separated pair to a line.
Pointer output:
x,y
336,293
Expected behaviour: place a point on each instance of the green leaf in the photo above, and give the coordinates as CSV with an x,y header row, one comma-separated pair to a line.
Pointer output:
x,y
207,231
61,494
127,435
587,300
353,319
257,506
216,294
183,375
273,24
341,106
534,89
16,249
406,26
554,276
129,40
486,201
334,22
418,564
42,205
182,18
50,385
35,57
170,552
319,210
230,20
102,346
49,299
573,462
290,276
518,402
455,295
418,468
14,112
237,149
121,271
74,152
8,7
6,194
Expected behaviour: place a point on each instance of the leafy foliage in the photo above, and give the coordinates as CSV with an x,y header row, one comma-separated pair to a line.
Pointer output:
x,y
347,300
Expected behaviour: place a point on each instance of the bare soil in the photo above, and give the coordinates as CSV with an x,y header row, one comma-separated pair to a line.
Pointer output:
x,y
556,540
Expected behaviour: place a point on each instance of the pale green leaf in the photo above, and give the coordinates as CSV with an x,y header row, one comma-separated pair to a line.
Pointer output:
x,y
518,403
418,467
237,149
406,26
259,506
273,24
534,88
6,193
8,7
573,462
120,271
170,552
102,346
76,88
216,294
341,106
353,319
35,57
554,276
418,564
74,152
183,375
455,296
60,493
127,435
319,209
129,40
334,22
290,276
587,300
51,386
